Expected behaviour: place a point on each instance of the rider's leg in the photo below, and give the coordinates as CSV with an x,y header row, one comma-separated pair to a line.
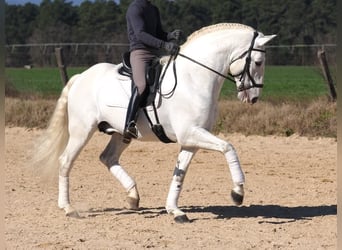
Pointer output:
x,y
139,59
132,115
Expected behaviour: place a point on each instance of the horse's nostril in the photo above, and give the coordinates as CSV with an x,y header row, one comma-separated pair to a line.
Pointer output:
x,y
254,100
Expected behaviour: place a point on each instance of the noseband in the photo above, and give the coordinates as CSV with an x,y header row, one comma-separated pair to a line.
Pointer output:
x,y
244,72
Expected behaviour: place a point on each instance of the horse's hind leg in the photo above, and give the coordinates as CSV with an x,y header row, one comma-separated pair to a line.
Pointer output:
x,y
184,158
76,142
110,157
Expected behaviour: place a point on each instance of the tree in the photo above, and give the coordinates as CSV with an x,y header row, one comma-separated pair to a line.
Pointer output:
x,y
19,26
57,21
54,23
19,22
98,22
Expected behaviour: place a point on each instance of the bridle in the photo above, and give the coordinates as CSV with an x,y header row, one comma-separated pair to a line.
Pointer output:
x,y
244,72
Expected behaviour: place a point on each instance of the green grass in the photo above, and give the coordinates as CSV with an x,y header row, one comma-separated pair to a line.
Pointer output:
x,y
281,82
287,82
294,82
45,81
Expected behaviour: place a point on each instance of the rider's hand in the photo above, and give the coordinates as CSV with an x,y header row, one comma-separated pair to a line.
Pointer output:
x,y
171,47
174,35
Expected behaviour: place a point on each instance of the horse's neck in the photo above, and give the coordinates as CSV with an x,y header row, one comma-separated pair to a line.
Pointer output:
x,y
213,50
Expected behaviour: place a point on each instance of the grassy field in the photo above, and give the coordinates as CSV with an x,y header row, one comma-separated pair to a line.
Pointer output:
x,y
281,82
288,83
44,81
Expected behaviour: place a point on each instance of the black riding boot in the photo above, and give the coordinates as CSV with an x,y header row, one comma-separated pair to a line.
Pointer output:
x,y
131,116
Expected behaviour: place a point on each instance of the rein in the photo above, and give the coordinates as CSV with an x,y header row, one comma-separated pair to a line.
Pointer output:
x,y
228,77
172,57
246,69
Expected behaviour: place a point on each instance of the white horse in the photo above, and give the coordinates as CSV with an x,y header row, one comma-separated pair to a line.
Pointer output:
x,y
187,115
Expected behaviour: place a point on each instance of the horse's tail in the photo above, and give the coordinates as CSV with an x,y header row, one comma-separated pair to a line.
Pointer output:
x,y
54,139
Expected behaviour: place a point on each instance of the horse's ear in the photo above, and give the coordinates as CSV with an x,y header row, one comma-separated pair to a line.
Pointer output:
x,y
261,41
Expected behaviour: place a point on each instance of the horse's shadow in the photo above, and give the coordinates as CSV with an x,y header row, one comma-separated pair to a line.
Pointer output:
x,y
289,214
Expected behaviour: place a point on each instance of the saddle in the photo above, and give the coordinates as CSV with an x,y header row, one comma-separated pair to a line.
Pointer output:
x,y
152,86
152,78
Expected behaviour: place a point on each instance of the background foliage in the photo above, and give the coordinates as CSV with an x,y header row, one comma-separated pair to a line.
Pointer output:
x,y
296,22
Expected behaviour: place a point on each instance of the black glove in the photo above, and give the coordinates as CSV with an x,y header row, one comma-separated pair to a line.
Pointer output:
x,y
171,47
174,35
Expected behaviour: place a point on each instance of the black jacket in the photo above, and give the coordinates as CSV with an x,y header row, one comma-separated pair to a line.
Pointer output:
x,y
144,26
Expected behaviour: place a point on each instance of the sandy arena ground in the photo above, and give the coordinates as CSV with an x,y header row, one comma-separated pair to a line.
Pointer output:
x,y
290,200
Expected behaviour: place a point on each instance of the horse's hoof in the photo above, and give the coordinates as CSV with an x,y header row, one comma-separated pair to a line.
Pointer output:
x,y
71,212
182,219
133,198
237,198
133,203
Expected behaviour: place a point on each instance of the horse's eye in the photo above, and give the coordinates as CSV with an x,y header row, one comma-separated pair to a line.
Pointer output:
x,y
258,63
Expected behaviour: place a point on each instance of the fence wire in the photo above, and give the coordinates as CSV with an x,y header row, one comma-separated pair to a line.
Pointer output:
x,y
87,54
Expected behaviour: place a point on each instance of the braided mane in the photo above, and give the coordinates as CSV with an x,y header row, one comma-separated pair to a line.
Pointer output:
x,y
216,27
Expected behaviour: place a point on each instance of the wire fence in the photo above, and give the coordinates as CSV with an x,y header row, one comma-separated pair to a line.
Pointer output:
x,y
86,54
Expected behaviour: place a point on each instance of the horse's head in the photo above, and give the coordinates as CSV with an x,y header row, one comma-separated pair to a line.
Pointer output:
x,y
248,68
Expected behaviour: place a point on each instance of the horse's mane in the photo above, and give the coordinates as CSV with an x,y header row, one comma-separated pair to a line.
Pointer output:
x,y
206,30
216,27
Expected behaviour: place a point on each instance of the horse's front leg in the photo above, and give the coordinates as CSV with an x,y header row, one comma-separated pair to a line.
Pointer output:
x,y
202,138
238,176
184,159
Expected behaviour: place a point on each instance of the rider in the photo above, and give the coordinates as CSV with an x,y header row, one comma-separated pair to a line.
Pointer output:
x,y
146,37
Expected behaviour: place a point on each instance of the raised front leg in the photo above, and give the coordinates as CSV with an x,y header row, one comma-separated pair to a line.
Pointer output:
x,y
184,159
201,138
238,177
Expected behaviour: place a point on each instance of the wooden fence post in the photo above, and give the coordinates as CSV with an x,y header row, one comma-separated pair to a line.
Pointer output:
x,y
324,64
61,65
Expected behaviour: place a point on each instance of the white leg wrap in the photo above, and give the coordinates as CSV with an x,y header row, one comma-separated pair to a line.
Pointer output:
x,y
172,198
126,181
63,192
234,167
